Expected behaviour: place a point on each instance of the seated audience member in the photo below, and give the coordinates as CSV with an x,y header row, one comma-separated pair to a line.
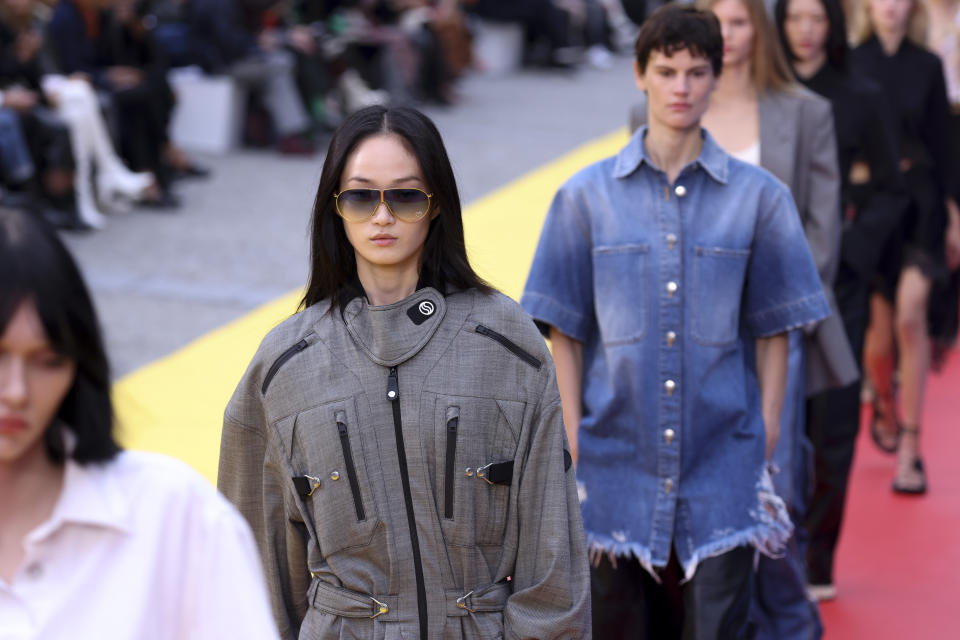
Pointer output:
x,y
88,41
228,40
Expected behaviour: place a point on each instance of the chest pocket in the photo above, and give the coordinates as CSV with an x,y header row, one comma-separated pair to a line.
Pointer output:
x,y
718,278
328,443
619,288
470,434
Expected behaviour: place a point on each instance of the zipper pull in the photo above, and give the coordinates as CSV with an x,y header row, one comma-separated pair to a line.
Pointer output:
x,y
393,385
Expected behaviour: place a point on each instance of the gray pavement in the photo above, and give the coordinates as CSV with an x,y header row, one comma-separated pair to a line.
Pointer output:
x,y
163,279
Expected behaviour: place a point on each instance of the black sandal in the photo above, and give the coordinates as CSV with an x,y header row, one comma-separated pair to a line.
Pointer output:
x,y
917,466
878,439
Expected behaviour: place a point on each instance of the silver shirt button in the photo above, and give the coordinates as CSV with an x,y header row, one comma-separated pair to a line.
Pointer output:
x,y
670,386
335,475
668,485
672,288
671,240
668,435
680,190
671,338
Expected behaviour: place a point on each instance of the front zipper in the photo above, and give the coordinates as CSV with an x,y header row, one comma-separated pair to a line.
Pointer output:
x,y
279,362
351,471
511,346
393,395
452,425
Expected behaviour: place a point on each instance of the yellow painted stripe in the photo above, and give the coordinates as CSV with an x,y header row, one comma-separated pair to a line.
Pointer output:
x,y
175,405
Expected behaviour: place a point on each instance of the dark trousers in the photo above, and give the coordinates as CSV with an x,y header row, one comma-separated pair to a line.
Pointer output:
x,y
629,604
833,419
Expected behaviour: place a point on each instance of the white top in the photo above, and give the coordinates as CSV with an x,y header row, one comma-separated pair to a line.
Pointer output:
x,y
750,155
140,548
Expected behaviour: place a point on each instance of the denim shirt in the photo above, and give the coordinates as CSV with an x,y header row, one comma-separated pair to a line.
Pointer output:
x,y
667,287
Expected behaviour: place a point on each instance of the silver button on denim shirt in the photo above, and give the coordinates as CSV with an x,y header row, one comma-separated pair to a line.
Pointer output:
x,y
667,289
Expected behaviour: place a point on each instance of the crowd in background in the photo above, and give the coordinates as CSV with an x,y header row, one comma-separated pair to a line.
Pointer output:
x,y
86,102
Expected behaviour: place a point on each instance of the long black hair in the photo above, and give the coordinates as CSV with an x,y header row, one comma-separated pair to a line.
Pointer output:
x,y
333,264
36,266
836,45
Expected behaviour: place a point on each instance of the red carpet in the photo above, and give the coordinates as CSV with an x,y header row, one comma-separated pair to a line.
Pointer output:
x,y
898,565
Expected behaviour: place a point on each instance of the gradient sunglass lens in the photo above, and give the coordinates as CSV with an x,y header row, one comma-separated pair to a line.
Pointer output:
x,y
360,204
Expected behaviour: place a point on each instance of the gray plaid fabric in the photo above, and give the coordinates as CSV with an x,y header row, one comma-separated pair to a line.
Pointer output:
x,y
498,561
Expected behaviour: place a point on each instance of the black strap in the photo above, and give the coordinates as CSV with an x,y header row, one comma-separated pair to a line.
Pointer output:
x,y
502,472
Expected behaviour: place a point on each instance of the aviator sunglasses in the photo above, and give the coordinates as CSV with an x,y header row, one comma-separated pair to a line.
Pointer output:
x,y
407,204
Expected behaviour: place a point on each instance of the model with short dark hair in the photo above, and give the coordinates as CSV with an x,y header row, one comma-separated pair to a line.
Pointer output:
x,y
667,277
398,444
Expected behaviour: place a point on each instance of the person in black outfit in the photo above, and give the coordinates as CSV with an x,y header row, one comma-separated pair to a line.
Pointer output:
x,y
813,35
89,38
915,258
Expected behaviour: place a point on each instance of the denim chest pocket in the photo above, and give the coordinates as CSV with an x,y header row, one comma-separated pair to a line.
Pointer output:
x,y
619,288
718,279
327,443
470,434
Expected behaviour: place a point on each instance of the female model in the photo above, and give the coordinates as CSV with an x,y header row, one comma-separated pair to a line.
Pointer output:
x,y
96,542
813,34
398,445
927,245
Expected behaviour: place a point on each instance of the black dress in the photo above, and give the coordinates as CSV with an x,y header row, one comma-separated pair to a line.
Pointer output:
x,y
873,209
912,81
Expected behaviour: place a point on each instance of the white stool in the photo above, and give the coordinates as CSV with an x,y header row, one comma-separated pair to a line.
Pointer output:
x,y
209,110
498,45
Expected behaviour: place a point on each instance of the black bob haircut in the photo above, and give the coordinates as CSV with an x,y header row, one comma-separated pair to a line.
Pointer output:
x,y
836,45
673,28
36,266
444,261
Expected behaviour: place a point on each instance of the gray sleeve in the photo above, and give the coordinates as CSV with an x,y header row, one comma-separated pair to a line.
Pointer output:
x,y
821,220
551,580
253,478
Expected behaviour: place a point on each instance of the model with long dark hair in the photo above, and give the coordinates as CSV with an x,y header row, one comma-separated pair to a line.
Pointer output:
x,y
398,445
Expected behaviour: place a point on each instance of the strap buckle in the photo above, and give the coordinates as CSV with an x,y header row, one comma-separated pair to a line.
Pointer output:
x,y
482,473
381,608
462,600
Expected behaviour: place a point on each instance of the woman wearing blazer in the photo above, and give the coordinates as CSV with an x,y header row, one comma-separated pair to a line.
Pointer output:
x,y
761,116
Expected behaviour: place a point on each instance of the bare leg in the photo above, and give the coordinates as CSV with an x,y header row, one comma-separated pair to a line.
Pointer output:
x,y
913,293
878,360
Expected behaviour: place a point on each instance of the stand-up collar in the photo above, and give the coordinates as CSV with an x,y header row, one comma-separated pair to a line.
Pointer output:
x,y
393,333
712,158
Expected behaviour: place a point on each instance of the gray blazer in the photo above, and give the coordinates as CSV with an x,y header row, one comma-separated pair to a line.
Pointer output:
x,y
798,145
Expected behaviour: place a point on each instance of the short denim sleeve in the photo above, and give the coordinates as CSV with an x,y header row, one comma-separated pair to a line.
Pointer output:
x,y
559,290
783,289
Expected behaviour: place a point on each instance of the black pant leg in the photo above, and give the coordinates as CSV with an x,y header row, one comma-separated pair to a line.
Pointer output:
x,y
717,598
833,420
628,604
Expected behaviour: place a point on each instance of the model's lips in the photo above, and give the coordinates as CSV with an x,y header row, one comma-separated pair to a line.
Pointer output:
x,y
12,424
678,106
383,240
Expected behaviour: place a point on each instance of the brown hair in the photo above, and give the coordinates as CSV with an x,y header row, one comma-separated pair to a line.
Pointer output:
x,y
768,65
862,28
672,28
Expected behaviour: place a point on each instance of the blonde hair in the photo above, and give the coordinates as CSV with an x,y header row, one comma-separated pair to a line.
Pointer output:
x,y
862,26
768,65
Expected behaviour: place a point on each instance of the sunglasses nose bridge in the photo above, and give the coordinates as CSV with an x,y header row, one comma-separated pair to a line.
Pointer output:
x,y
386,205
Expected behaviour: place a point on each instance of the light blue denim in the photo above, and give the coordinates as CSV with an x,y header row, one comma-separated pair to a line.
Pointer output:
x,y
16,164
667,287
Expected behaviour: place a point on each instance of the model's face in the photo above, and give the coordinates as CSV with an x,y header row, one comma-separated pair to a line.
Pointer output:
x,y
737,30
34,379
890,16
806,27
678,88
384,243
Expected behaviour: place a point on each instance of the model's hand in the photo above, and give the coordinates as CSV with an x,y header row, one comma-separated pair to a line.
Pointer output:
x,y
952,239
772,428
27,45
301,39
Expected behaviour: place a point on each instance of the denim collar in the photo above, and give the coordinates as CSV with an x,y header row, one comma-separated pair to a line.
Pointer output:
x,y
712,158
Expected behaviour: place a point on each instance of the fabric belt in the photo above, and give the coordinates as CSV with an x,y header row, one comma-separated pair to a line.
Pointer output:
x,y
352,604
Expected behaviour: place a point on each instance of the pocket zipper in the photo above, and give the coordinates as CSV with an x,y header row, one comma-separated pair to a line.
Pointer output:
x,y
511,346
279,362
452,425
351,470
